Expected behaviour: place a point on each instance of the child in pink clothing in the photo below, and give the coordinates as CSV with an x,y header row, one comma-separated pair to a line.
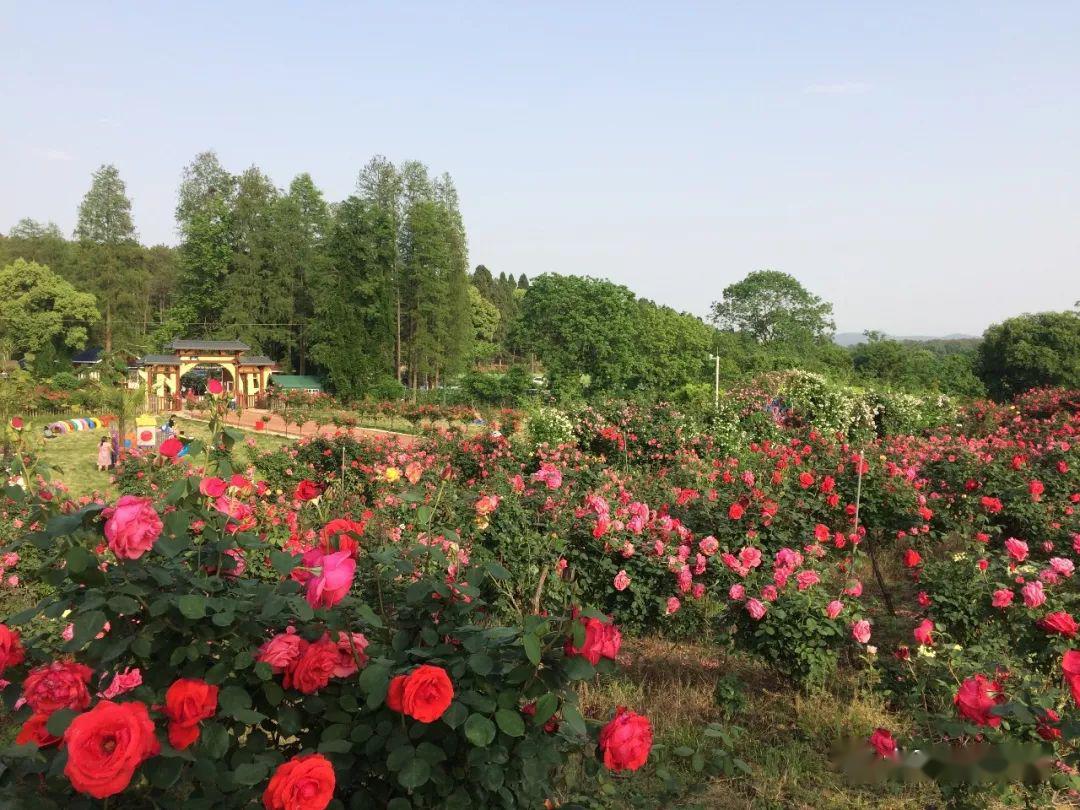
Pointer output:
x,y
104,454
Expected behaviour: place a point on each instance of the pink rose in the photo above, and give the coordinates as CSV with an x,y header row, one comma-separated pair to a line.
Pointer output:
x,y
709,545
833,609
282,651
924,633
860,631
622,581
673,605
333,580
131,527
1017,549
213,487
756,609
1003,597
1033,594
351,648
123,682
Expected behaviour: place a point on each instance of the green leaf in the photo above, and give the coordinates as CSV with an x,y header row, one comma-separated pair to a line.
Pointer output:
x,y
192,606
214,740
124,605
573,719
251,773
455,715
481,664
546,706
479,730
578,669
233,699
415,774
59,720
283,562
163,772
335,747
532,648
510,722
87,626
496,571
78,559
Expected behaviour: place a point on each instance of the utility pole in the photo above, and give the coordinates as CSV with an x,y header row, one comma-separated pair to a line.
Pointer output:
x,y
716,382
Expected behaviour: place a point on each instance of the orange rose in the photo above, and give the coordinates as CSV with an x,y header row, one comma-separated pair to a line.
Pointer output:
x,y
427,694
303,783
105,746
188,702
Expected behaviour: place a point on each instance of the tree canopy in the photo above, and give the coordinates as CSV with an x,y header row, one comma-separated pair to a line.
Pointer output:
x,y
38,309
1031,350
773,307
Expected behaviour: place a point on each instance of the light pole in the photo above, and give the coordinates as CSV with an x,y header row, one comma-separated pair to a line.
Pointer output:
x,y
716,382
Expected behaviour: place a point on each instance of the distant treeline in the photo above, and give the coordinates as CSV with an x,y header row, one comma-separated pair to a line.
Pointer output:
x,y
374,294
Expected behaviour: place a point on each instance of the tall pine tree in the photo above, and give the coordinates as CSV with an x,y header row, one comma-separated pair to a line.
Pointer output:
x,y
110,262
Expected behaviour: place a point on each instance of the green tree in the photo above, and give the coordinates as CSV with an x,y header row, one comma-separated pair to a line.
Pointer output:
x,y
110,259
672,349
352,335
1031,351
41,243
304,217
485,323
583,331
773,307
381,185
257,306
204,215
40,309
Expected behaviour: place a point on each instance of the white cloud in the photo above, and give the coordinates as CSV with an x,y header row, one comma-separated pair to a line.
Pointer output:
x,y
49,153
838,88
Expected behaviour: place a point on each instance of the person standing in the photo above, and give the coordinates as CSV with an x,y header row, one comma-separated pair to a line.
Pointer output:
x,y
104,454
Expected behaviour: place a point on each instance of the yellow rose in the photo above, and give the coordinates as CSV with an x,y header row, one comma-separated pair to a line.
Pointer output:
x,y
392,474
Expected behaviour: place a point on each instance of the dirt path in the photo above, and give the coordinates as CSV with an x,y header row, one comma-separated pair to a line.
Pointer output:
x,y
261,421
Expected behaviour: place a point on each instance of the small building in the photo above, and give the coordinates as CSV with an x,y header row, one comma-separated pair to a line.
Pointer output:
x,y
296,382
244,376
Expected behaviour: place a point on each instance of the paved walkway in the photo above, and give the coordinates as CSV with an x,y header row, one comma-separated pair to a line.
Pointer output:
x,y
261,421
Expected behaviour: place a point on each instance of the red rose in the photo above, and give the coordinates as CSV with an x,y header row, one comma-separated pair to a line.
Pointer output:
x,y
11,649
736,511
427,694
1059,622
1070,667
602,640
17,422
976,697
171,447
340,535
883,743
395,692
132,526
215,387
34,731
303,783
188,702
105,746
626,741
912,558
59,685
314,668
307,491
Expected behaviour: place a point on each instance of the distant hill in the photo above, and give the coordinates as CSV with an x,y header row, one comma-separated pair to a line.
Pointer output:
x,y
854,338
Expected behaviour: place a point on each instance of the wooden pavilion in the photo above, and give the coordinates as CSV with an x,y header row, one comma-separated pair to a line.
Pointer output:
x,y
245,376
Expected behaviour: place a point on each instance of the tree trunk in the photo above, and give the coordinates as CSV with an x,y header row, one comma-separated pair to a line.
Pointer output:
x,y
108,328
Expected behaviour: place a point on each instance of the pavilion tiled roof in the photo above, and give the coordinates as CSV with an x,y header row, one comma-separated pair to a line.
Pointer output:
x,y
208,345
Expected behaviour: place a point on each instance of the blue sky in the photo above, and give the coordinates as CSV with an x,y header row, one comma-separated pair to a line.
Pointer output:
x,y
917,164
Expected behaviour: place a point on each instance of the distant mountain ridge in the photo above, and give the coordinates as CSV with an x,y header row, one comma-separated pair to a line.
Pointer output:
x,y
854,338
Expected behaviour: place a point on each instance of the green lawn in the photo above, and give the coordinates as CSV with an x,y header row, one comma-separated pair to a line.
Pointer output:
x,y
73,456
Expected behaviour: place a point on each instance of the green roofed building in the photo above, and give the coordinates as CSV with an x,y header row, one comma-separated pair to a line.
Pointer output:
x,y
296,382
